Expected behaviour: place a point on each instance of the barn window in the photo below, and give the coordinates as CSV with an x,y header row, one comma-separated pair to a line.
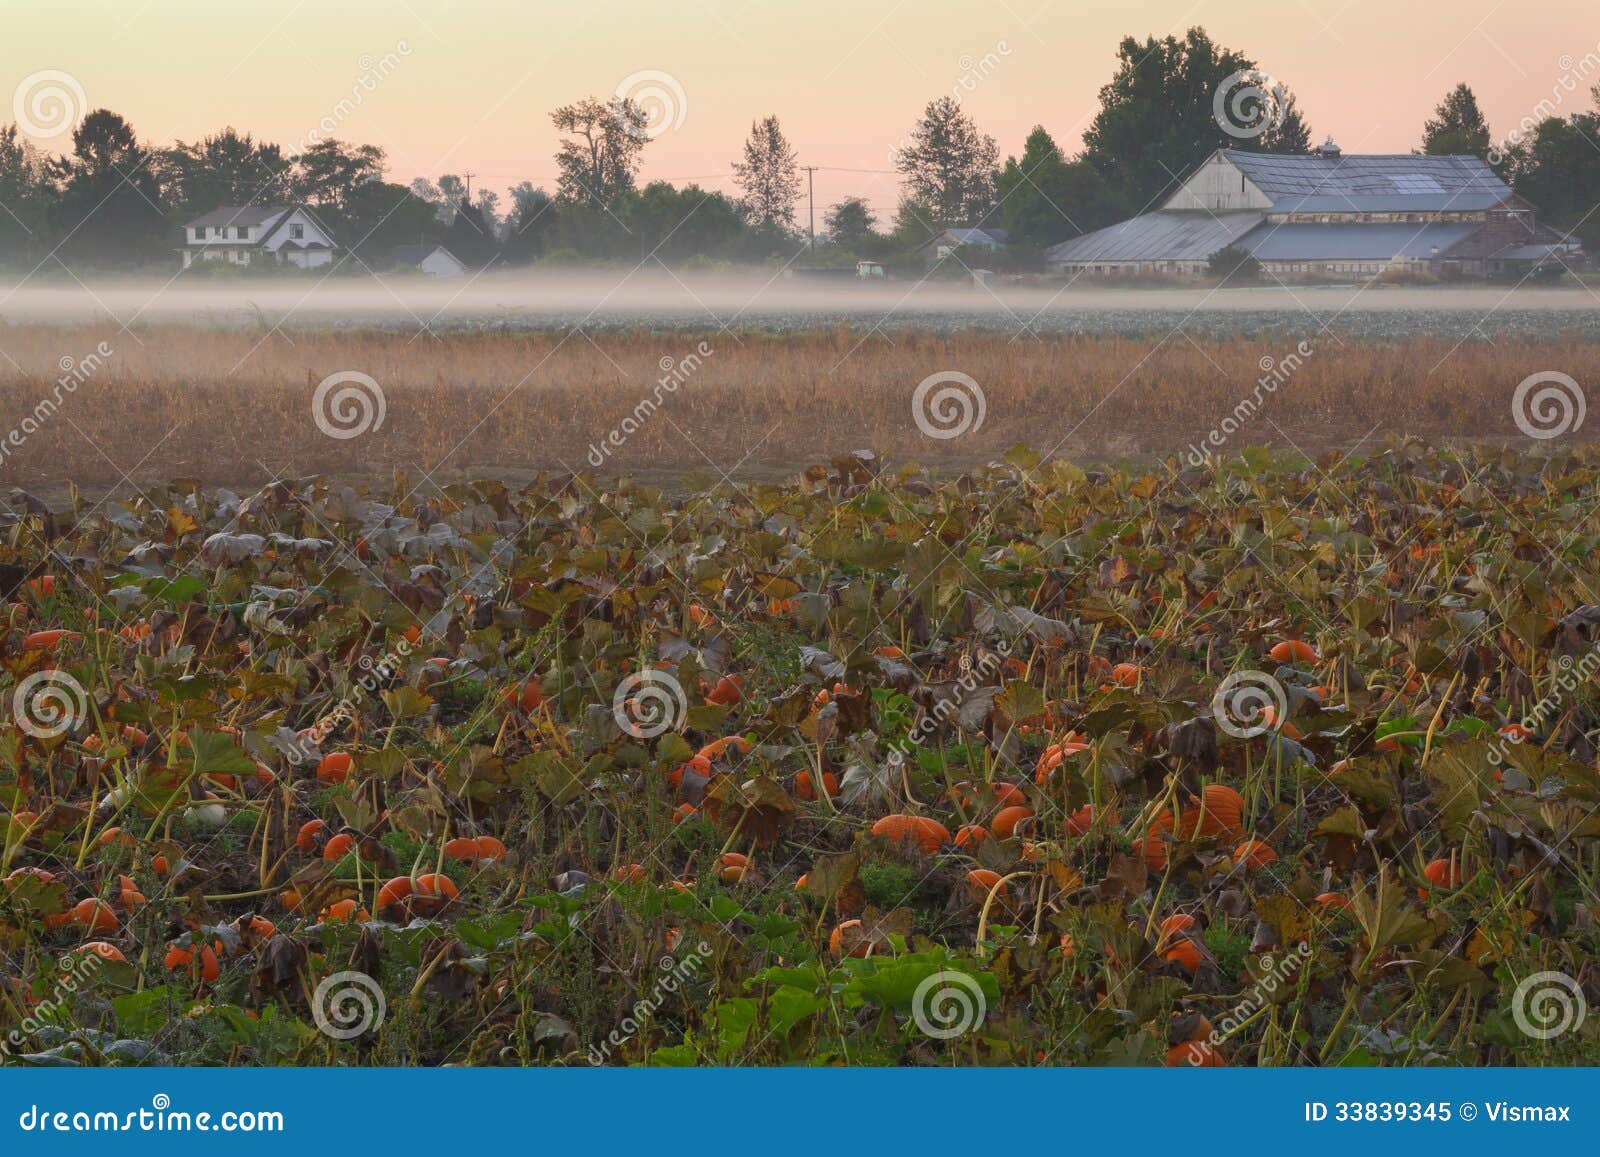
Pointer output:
x,y
297,231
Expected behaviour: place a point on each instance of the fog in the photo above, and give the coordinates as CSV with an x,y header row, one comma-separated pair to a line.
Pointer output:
x,y
657,298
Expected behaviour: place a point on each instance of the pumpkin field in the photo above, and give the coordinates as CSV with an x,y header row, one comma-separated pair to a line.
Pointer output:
x,y
1266,761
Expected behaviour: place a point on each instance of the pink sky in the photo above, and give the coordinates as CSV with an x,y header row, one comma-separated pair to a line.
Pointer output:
x,y
469,83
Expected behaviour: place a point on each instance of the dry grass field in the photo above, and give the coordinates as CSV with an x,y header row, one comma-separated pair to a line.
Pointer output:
x,y
237,407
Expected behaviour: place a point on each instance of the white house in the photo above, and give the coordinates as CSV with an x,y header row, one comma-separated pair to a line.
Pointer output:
x,y
434,260
253,234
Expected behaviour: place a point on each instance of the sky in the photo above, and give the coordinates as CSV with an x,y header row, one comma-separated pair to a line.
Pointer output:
x,y
447,86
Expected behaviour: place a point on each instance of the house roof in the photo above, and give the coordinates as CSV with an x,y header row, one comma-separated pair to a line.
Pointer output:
x,y
1353,242
1165,235
239,215
965,236
1462,200
417,254
1414,181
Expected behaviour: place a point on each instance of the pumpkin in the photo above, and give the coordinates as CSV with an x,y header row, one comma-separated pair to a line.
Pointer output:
x,y
1196,1054
1218,812
850,930
1052,756
1252,855
732,866
47,640
338,847
717,748
1441,873
726,693
630,873
95,915
1176,944
804,790
307,837
1008,819
524,697
205,967
1080,821
334,767
981,881
971,835
1125,675
344,910
1294,651
928,834
104,950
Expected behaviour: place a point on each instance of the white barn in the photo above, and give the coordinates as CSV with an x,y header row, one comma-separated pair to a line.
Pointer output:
x,y
253,234
1325,213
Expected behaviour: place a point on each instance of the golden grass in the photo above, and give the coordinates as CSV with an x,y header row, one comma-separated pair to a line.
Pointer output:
x,y
235,407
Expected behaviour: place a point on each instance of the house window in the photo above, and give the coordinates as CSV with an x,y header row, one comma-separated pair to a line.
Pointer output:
x,y
241,231
199,232
296,232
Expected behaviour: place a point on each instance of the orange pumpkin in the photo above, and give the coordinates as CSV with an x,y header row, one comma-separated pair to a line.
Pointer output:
x,y
1007,820
1294,651
928,834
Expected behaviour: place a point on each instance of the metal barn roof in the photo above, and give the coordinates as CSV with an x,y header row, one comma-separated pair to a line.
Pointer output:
x,y
1165,235
1353,242
1421,182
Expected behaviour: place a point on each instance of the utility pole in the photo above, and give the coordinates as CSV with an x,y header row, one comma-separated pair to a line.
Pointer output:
x,y
469,187
811,204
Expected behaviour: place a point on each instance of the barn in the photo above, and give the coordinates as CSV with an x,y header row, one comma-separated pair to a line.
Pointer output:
x,y
1327,214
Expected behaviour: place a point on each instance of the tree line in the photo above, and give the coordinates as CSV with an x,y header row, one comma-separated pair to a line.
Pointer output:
x,y
115,200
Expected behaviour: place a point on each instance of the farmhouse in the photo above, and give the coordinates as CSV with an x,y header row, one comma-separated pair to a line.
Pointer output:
x,y
939,247
1326,213
255,234
434,260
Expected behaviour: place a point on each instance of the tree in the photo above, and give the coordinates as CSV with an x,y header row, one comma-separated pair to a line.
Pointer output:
x,y
529,224
769,177
851,225
1457,127
471,236
1233,264
378,216
1557,168
109,209
1164,112
600,161
26,194
1287,133
328,173
224,169
1044,199
948,165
